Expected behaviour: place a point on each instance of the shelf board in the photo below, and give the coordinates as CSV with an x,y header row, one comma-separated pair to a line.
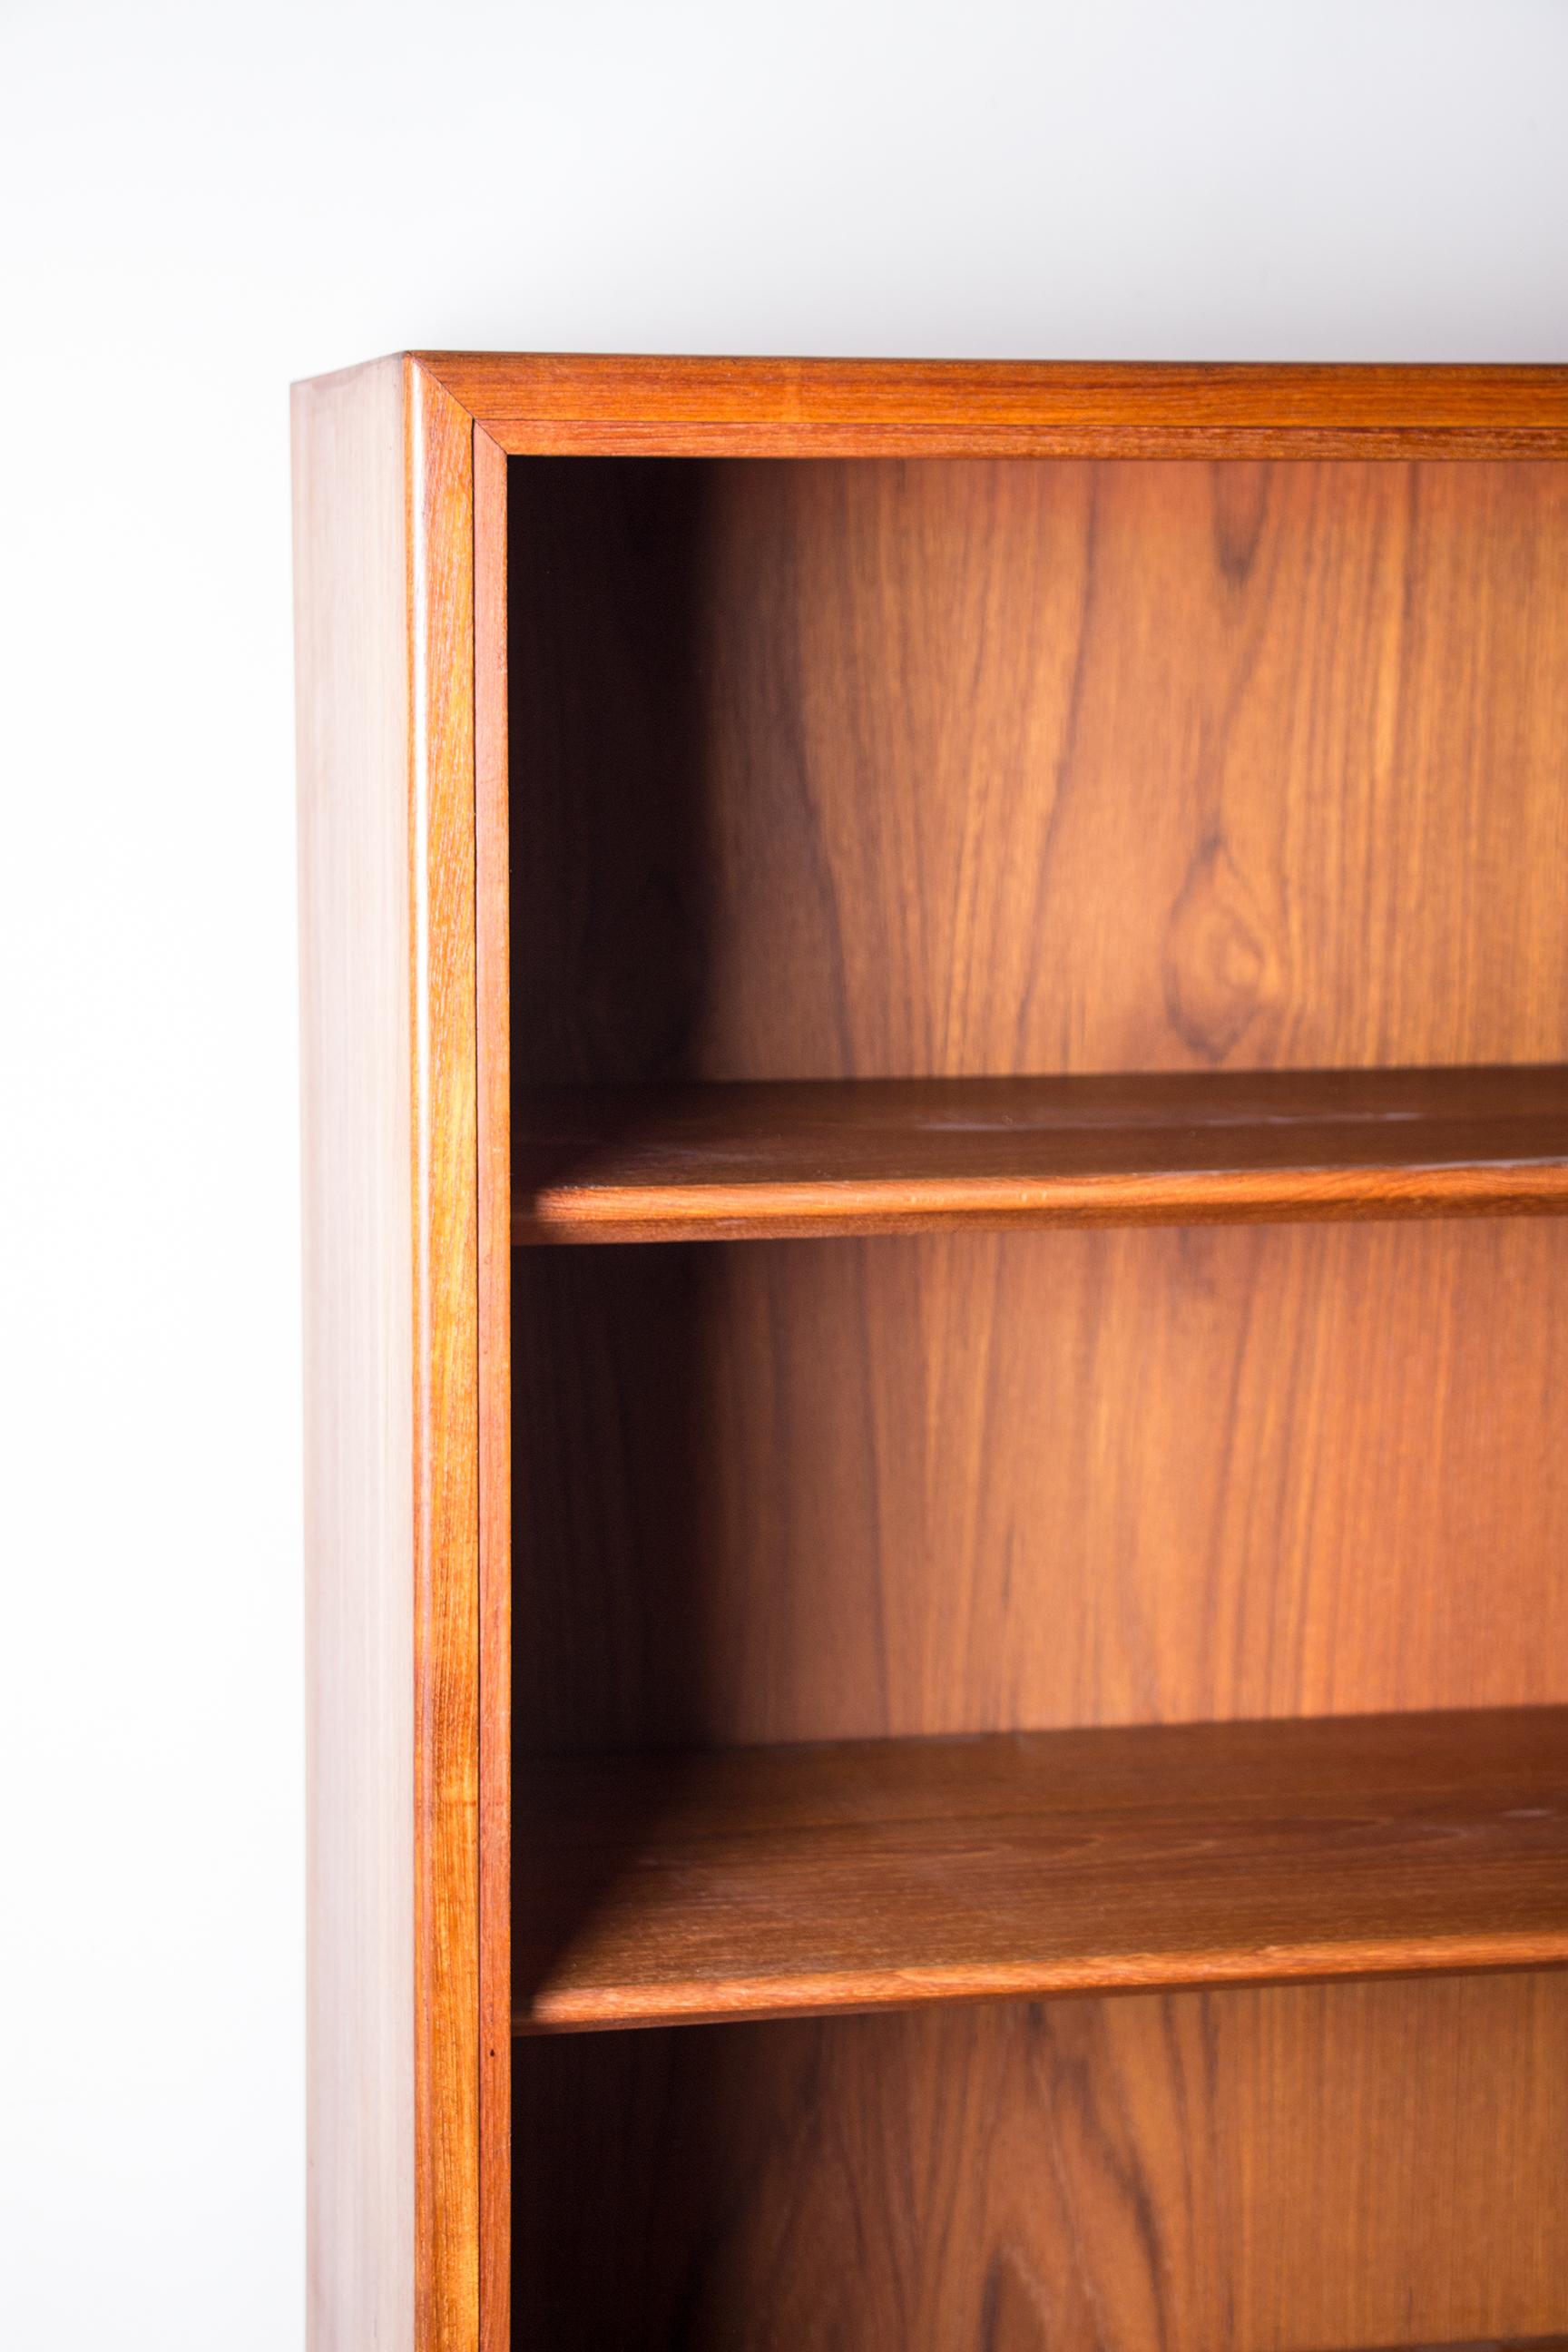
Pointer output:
x,y
866,1155
787,1881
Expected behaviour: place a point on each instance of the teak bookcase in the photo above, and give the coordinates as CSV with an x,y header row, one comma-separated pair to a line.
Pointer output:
x,y
936,1040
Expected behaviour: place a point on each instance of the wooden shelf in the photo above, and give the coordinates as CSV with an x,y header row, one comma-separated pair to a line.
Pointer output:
x,y
777,1882
754,1162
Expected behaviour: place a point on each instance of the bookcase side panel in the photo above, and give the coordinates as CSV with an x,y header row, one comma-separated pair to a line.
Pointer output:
x,y
351,673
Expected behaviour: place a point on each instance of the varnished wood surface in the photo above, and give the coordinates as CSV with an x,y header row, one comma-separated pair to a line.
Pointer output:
x,y
771,407
1298,2170
352,685
905,772
385,541
909,1156
984,1482
492,1040
896,770
446,1363
777,1882
965,769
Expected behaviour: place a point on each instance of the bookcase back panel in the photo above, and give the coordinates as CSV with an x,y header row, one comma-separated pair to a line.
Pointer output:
x,y
960,768
1280,2171
806,1490
939,767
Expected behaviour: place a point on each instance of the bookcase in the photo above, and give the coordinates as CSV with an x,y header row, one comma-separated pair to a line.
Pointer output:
x,y
936,1125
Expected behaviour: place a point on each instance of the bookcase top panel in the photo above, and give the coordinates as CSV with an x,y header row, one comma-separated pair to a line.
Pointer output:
x,y
610,404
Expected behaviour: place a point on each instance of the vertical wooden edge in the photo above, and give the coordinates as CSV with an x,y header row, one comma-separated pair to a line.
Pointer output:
x,y
351,706
445,1365
492,901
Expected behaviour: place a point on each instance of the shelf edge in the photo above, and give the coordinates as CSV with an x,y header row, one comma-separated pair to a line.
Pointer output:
x,y
847,1991
570,1215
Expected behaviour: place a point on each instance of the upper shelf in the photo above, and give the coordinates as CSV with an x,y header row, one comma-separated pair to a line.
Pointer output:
x,y
872,1874
755,1161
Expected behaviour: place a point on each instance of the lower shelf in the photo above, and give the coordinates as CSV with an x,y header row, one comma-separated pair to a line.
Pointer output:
x,y
870,1874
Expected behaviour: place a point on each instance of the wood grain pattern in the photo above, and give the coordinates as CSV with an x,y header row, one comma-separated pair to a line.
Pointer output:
x,y
904,1156
446,1360
493,1027
352,679
891,771
872,1874
606,406
992,1482
942,770
1292,2171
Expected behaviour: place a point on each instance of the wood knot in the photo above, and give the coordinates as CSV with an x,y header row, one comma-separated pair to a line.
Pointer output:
x,y
1220,966
1240,494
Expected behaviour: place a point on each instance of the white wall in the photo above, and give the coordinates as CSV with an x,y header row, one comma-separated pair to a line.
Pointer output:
x,y
199,202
